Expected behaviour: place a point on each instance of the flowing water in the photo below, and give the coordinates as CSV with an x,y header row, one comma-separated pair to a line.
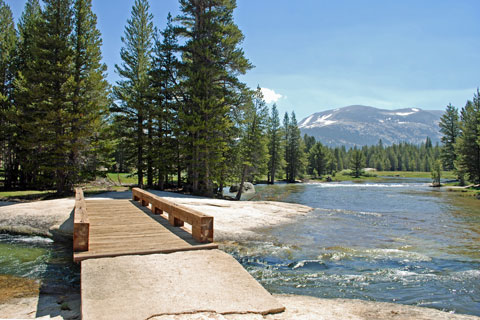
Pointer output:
x,y
40,259
398,241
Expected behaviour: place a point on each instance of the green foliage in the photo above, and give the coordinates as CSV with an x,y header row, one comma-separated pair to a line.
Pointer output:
x,y
46,93
467,146
436,172
8,40
294,148
357,162
165,129
211,91
132,93
320,160
59,94
397,157
253,141
450,130
275,151
88,152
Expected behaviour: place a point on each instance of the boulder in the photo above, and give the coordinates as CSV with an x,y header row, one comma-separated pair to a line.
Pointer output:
x,y
247,188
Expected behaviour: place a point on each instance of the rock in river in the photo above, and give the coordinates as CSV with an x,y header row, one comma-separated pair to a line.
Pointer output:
x,y
247,188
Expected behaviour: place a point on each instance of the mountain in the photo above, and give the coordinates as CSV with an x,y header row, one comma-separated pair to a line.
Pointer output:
x,y
362,125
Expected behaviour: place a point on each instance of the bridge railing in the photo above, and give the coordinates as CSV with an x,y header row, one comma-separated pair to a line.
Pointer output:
x,y
202,224
81,224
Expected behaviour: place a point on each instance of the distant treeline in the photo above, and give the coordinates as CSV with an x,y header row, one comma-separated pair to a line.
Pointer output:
x,y
398,157
178,116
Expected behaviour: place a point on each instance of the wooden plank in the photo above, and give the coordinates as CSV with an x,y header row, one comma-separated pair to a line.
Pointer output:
x,y
123,227
81,224
202,224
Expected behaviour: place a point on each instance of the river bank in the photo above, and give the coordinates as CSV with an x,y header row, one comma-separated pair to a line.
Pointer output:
x,y
234,221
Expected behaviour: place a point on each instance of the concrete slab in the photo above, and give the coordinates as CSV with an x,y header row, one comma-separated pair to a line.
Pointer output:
x,y
141,287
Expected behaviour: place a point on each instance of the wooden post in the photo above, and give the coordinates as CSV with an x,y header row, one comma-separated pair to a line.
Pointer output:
x,y
157,210
81,224
203,232
174,221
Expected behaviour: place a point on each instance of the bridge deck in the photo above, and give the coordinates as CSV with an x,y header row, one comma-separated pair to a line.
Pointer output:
x,y
124,227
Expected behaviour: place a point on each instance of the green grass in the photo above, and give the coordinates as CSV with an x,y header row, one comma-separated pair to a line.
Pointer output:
x,y
123,178
26,195
414,174
466,192
380,175
132,178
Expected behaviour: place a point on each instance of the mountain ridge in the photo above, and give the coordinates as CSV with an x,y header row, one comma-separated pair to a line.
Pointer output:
x,y
359,125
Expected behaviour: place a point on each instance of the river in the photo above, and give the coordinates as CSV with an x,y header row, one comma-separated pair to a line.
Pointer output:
x,y
395,241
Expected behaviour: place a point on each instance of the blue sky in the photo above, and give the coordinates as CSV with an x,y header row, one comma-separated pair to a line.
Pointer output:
x,y
315,55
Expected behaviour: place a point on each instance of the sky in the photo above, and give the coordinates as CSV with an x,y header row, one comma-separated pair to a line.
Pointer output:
x,y
316,55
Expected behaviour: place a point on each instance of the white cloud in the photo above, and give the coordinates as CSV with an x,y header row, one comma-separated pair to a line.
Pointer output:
x,y
270,96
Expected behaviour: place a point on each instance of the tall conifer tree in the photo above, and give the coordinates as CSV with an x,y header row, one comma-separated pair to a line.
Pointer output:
x,y
253,144
294,149
165,106
45,91
8,39
287,146
450,131
26,147
132,92
357,162
274,144
211,65
90,88
467,146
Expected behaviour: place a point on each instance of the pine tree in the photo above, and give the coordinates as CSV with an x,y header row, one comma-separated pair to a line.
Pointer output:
x,y
253,144
8,40
23,116
318,159
287,148
357,162
450,130
45,91
212,61
436,173
55,69
274,145
89,100
132,92
309,142
467,145
295,149
165,107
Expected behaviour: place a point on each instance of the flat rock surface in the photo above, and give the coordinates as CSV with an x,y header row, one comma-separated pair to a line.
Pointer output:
x,y
141,287
310,308
50,218
234,220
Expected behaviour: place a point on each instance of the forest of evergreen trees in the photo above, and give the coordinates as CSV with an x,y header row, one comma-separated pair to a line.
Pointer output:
x,y
178,116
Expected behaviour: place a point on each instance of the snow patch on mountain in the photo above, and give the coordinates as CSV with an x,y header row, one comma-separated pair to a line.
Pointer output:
x,y
362,125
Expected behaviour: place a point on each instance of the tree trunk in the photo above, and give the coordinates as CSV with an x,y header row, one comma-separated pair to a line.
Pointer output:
x,y
149,154
240,188
273,174
179,168
140,152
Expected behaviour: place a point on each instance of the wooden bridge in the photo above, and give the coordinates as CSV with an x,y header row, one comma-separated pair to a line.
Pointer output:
x,y
126,273
110,228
